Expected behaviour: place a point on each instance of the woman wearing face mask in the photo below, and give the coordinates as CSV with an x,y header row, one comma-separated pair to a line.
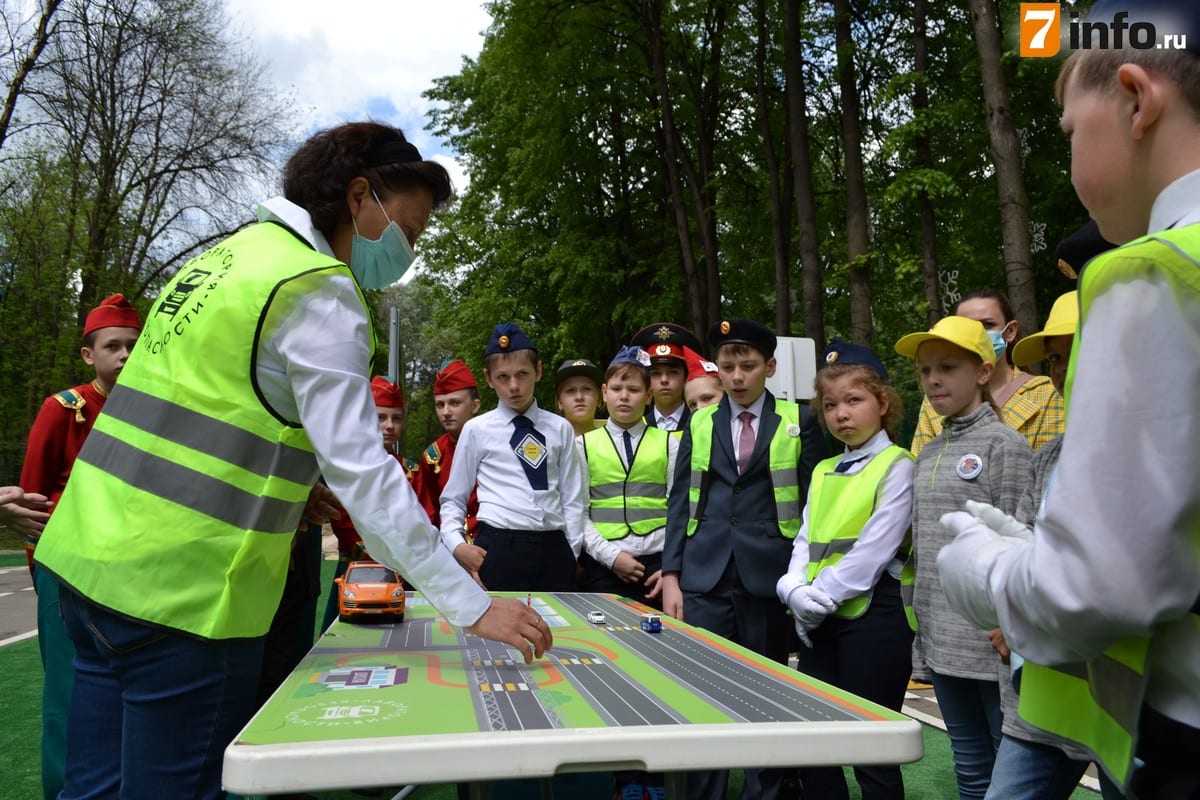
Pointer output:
x,y
172,538
1027,403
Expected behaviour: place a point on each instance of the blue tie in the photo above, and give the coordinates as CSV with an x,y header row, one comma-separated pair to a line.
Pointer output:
x,y
529,445
628,451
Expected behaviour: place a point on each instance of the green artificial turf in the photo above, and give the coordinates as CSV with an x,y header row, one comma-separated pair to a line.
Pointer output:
x,y
931,778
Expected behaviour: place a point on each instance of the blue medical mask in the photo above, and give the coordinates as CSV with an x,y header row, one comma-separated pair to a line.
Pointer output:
x,y
997,337
378,263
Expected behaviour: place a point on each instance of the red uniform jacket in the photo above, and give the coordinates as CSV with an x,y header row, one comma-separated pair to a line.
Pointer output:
x,y
349,542
57,435
432,475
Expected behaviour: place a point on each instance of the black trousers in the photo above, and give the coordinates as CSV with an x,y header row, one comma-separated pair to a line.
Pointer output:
x,y
870,656
525,561
598,578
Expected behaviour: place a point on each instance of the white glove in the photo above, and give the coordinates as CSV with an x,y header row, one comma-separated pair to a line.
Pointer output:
x,y
966,563
997,520
803,634
810,606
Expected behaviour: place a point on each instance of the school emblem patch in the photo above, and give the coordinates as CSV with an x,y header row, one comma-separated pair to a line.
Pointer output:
x,y
969,467
531,451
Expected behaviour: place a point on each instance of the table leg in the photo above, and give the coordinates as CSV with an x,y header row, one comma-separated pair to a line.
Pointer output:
x,y
479,790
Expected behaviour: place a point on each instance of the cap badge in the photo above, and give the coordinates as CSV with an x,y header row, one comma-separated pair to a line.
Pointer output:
x,y
502,341
831,357
969,467
725,326
793,430
579,363
664,333
662,350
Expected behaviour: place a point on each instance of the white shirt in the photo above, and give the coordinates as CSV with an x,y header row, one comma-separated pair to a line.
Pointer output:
x,y
316,369
1107,558
860,569
604,550
669,422
484,460
735,424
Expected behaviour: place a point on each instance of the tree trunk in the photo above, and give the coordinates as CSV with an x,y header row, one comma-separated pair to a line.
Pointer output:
x,y
813,299
858,244
36,45
925,210
780,233
1006,157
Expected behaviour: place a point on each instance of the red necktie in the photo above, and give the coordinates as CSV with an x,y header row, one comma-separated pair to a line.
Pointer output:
x,y
745,441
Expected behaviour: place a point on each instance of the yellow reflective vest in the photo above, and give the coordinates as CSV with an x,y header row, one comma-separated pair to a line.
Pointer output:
x,y
783,459
627,503
1097,705
182,504
840,504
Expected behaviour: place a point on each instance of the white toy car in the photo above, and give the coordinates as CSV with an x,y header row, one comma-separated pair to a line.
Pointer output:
x,y
596,617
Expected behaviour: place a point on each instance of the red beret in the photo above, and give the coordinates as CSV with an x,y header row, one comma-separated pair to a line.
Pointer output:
x,y
386,393
454,375
697,365
114,311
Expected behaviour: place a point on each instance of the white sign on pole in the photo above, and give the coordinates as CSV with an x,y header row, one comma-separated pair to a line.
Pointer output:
x,y
796,366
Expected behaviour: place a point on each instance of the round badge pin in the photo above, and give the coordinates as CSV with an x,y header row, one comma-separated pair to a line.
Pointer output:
x,y
831,357
969,467
793,430
725,327
502,341
663,350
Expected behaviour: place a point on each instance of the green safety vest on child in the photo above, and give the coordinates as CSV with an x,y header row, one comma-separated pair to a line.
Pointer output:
x,y
627,503
783,459
184,500
840,504
1098,704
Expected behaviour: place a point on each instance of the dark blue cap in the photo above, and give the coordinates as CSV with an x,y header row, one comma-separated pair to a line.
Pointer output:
x,y
508,338
1177,19
743,331
844,354
631,355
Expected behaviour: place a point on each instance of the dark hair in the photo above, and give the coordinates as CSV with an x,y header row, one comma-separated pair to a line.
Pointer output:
x,y
739,349
1001,299
628,370
316,176
872,382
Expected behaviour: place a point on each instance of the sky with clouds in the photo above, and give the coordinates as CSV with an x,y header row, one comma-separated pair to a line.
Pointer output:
x,y
358,59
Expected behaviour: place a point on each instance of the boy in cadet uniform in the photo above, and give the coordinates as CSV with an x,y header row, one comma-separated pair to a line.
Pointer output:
x,y
110,332
665,341
1105,596
577,391
703,387
456,400
734,510
389,408
629,468
521,460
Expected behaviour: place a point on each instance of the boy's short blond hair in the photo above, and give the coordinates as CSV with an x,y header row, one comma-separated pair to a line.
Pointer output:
x,y
1095,69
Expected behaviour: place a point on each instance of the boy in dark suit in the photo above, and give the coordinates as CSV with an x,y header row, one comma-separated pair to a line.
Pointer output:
x,y
735,508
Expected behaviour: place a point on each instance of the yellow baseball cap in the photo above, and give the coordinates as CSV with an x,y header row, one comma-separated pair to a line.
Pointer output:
x,y
968,334
1063,321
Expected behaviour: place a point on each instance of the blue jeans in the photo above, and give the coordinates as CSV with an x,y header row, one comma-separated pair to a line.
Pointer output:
x,y
152,709
971,711
57,657
1032,771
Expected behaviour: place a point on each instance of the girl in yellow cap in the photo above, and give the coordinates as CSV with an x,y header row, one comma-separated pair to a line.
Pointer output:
x,y
975,457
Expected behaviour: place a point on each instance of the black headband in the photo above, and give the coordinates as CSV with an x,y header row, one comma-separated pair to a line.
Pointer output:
x,y
394,152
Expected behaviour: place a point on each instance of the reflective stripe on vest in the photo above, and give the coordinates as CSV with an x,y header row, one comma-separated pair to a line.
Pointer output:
x,y
627,503
179,494
1097,705
783,462
840,504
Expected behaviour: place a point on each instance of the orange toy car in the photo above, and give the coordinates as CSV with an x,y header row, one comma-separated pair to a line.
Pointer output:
x,y
370,591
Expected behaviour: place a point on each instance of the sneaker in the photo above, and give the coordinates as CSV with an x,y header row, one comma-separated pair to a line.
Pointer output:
x,y
631,791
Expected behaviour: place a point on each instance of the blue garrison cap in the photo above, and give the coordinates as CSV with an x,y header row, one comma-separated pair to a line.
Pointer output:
x,y
845,353
508,338
631,355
